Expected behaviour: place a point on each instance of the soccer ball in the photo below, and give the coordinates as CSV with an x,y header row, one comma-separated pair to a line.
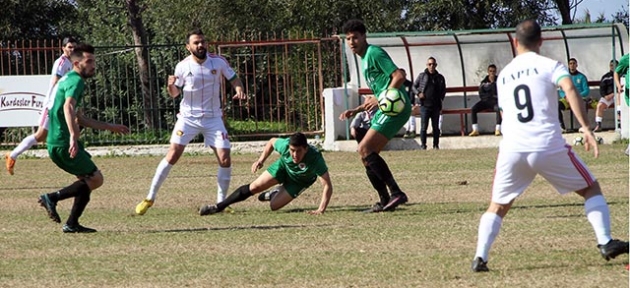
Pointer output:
x,y
578,141
391,102
599,140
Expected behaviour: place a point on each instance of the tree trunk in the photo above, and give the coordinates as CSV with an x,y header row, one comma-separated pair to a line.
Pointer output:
x,y
564,7
142,55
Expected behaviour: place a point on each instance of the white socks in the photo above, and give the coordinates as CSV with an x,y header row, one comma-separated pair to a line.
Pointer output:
x,y
26,144
412,124
475,127
224,175
598,215
440,122
489,227
598,119
160,175
497,127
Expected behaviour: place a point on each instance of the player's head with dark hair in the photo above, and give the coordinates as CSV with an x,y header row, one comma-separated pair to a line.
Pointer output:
x,y
298,140
528,34
613,64
492,66
196,44
354,26
67,45
83,60
355,36
68,40
194,31
298,147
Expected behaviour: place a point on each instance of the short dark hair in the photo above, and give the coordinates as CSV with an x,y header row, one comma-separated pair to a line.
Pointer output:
x,y
67,40
573,59
77,53
354,25
492,66
614,61
298,140
528,33
195,31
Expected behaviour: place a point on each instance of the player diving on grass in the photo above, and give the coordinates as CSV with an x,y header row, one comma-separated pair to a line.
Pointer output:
x,y
299,165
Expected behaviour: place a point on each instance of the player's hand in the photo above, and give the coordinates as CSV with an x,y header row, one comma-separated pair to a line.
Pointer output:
x,y
620,89
347,114
119,129
590,141
239,95
171,80
257,165
315,212
369,103
74,148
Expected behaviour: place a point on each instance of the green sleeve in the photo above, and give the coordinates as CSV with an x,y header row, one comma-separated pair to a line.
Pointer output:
x,y
321,167
75,90
383,62
622,67
281,145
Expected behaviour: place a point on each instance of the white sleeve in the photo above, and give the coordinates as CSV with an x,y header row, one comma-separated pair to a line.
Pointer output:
x,y
179,73
227,71
559,71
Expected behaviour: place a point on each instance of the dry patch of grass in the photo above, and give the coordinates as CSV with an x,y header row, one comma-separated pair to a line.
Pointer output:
x,y
546,240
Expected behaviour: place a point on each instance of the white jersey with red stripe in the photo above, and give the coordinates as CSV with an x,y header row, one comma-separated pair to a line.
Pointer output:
x,y
61,66
527,93
201,85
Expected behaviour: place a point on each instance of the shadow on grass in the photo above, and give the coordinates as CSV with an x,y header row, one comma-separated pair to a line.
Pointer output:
x,y
251,227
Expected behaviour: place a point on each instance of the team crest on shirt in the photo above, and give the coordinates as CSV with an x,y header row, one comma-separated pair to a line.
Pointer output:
x,y
214,71
302,166
179,133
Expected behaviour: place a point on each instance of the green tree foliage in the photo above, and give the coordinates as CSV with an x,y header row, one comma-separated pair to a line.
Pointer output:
x,y
36,19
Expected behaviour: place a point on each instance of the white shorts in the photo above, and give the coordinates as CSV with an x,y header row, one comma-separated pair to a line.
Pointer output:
x,y
514,171
213,131
43,119
608,103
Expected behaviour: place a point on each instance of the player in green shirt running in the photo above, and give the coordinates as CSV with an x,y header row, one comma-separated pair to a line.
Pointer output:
x,y
297,168
380,73
63,144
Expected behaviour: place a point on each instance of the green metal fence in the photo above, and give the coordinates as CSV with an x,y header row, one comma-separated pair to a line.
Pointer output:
x,y
284,80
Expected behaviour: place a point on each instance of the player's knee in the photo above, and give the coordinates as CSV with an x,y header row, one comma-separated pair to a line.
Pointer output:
x,y
94,181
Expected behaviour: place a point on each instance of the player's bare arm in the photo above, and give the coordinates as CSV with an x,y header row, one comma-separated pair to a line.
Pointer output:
x,y
265,154
326,194
577,106
100,125
173,90
70,116
369,103
398,79
238,87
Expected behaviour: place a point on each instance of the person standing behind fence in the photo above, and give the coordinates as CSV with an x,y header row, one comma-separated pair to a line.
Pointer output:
x,y
581,84
61,66
198,80
607,93
532,144
64,147
430,88
380,73
487,100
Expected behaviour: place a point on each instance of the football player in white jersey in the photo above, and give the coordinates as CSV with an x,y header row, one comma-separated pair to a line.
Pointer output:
x,y
198,80
532,144
61,66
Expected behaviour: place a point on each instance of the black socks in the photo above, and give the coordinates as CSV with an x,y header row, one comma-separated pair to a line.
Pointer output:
x,y
376,163
238,195
378,185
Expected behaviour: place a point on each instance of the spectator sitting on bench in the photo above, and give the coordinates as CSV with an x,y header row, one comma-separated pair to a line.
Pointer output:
x,y
606,90
487,100
581,84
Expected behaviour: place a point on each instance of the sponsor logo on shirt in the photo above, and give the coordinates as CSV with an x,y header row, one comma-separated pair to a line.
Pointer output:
x,y
179,133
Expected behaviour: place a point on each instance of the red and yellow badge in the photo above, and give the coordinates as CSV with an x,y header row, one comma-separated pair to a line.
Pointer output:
x,y
179,133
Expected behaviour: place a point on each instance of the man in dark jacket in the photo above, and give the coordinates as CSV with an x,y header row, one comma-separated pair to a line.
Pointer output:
x,y
487,100
430,88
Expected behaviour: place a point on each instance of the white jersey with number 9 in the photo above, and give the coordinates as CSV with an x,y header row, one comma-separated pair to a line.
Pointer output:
x,y
527,93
